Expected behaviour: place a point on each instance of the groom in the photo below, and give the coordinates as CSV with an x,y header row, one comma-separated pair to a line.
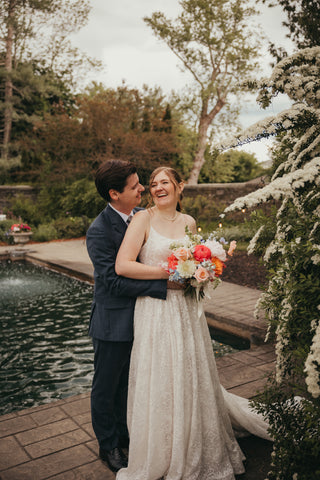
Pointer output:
x,y
111,322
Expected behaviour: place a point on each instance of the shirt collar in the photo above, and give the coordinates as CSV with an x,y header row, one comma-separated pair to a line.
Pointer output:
x,y
124,216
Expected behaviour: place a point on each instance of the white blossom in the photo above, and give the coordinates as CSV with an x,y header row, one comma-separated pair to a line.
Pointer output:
x,y
253,241
312,366
316,259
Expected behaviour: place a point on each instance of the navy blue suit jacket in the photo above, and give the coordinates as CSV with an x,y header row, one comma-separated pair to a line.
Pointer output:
x,y
114,296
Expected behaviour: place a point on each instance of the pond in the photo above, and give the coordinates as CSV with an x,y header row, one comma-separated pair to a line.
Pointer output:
x,y
45,351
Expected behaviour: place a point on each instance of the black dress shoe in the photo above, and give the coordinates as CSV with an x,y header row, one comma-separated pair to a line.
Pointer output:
x,y
115,458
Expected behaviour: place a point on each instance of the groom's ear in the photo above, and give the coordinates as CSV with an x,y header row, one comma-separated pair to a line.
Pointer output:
x,y
114,195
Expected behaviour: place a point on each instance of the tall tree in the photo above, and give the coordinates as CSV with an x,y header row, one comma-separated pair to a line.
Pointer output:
x,y
214,43
29,30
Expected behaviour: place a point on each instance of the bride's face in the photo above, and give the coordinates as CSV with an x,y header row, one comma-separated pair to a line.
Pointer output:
x,y
163,191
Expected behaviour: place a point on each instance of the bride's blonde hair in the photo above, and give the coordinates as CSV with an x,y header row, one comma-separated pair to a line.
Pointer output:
x,y
174,177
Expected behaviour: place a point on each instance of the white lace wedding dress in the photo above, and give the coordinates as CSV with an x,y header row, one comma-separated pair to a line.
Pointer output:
x,y
179,417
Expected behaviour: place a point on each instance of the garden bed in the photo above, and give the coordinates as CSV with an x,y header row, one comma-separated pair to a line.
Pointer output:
x,y
246,270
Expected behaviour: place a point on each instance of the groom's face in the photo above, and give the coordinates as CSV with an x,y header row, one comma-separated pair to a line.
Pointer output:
x,y
131,195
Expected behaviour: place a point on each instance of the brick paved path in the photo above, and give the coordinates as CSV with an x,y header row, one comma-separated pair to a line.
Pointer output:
x,y
56,441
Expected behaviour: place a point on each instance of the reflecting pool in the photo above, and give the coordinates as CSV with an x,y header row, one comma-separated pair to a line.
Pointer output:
x,y
45,351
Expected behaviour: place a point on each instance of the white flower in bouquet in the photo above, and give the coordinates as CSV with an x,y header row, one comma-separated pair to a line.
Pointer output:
x,y
186,268
216,249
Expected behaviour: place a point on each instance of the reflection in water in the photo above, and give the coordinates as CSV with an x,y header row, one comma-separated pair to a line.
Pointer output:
x,y
45,351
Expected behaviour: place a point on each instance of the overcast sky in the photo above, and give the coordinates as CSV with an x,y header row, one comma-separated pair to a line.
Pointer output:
x,y
117,35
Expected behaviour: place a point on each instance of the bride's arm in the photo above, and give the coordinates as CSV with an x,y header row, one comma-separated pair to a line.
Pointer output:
x,y
126,262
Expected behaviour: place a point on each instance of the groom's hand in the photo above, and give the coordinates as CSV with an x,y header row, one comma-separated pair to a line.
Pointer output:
x,y
171,285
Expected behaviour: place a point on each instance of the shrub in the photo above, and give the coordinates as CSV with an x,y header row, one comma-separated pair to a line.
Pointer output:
x,y
45,233
292,257
5,230
204,210
22,207
82,198
71,227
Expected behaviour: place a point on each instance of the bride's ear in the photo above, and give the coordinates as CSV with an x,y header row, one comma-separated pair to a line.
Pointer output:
x,y
180,187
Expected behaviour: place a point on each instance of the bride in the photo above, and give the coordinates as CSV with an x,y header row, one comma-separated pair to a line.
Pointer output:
x,y
180,419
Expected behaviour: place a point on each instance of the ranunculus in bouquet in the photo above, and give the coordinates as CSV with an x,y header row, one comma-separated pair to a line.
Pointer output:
x,y
197,262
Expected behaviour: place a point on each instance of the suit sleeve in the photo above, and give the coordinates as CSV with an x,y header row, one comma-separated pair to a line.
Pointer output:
x,y
103,252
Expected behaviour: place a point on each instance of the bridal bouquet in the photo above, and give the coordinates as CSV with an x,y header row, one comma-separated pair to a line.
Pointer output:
x,y
197,262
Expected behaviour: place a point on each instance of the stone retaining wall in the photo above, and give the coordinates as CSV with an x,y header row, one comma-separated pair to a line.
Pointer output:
x,y
224,193
9,193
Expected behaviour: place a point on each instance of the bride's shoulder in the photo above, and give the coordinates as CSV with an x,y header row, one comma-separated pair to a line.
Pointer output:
x,y
142,216
189,222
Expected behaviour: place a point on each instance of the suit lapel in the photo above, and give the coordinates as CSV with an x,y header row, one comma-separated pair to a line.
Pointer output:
x,y
117,222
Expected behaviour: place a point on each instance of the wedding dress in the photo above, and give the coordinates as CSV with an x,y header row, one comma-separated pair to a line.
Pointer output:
x,y
179,416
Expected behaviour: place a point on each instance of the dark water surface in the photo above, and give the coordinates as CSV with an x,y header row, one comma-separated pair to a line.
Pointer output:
x,y
45,351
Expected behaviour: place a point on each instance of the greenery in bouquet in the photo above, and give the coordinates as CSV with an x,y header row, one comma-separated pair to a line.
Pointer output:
x,y
197,262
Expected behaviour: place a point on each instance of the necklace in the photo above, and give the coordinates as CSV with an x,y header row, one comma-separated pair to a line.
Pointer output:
x,y
167,218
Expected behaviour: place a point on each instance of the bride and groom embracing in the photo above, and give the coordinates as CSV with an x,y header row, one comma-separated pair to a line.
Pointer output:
x,y
180,420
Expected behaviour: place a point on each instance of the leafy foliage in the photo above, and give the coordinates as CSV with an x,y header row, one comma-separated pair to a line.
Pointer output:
x,y
134,125
231,166
303,22
39,65
295,426
292,256
72,227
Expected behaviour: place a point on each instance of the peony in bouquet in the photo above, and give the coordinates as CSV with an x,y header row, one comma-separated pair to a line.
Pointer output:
x,y
198,263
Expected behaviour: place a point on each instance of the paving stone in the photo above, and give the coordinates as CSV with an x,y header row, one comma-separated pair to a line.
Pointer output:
x,y
267,367
83,418
51,465
74,398
233,375
49,415
38,408
7,416
77,407
91,471
55,444
247,359
248,390
94,446
225,361
11,453
87,427
268,356
262,349
46,431
16,424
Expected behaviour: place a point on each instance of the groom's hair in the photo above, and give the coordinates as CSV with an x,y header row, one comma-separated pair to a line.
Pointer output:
x,y
113,174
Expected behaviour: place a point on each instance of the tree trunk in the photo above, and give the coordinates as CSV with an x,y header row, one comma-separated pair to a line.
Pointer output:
x,y
199,155
8,83
204,124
